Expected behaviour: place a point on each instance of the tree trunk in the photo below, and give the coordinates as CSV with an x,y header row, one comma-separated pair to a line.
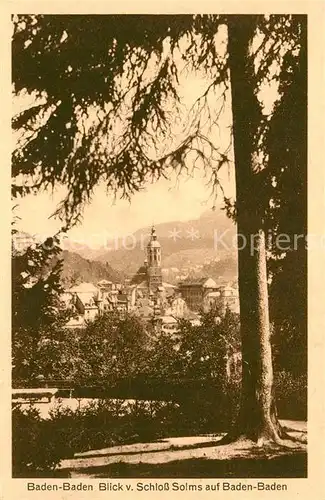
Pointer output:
x,y
257,418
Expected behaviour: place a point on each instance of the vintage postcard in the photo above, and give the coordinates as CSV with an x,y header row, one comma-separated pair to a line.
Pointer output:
x,y
164,240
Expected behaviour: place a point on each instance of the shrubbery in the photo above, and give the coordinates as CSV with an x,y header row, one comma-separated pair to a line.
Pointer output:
x,y
291,395
35,450
116,358
39,445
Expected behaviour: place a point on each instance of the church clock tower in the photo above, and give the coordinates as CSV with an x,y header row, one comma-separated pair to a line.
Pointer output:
x,y
154,262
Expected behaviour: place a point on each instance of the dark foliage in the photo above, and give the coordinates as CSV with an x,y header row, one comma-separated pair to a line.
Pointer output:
x,y
287,146
36,288
107,101
38,314
39,445
86,127
33,449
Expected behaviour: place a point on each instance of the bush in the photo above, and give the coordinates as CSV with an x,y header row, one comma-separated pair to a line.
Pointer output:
x,y
105,423
39,445
35,450
291,395
206,407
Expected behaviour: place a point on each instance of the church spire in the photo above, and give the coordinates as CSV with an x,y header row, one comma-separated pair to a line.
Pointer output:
x,y
154,260
153,233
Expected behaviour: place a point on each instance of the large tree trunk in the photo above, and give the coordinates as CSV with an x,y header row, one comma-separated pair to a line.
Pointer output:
x,y
257,418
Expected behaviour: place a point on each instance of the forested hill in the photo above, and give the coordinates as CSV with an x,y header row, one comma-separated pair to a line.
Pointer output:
x,y
210,236
76,269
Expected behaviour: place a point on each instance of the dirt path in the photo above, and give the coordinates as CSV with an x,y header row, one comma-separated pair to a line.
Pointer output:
x,y
92,463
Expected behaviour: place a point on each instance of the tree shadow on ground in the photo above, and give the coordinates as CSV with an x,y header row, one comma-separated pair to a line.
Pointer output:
x,y
203,444
292,465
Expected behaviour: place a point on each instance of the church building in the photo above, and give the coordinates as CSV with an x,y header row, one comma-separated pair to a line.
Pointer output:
x,y
153,263
148,282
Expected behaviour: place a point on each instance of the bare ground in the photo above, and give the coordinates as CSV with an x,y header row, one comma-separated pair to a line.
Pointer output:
x,y
194,456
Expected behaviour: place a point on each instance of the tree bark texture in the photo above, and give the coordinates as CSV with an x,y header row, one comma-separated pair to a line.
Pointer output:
x,y
257,418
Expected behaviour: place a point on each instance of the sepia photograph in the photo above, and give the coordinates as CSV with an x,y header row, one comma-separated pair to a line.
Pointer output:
x,y
159,248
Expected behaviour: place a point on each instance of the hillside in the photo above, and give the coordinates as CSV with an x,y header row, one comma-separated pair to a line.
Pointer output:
x,y
207,241
211,236
76,269
207,224
225,268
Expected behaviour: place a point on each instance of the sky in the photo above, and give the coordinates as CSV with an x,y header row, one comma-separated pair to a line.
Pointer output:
x,y
179,199
163,201
166,200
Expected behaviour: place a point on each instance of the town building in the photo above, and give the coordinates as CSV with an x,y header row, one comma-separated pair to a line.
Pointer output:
x,y
230,298
148,284
153,263
194,290
149,275
204,294
88,301
149,297
85,298
224,297
178,307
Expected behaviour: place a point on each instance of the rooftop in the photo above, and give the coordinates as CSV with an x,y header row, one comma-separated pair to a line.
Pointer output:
x,y
153,243
87,299
104,283
83,288
205,281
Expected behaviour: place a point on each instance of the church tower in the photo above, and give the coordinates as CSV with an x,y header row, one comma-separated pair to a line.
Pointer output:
x,y
154,262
